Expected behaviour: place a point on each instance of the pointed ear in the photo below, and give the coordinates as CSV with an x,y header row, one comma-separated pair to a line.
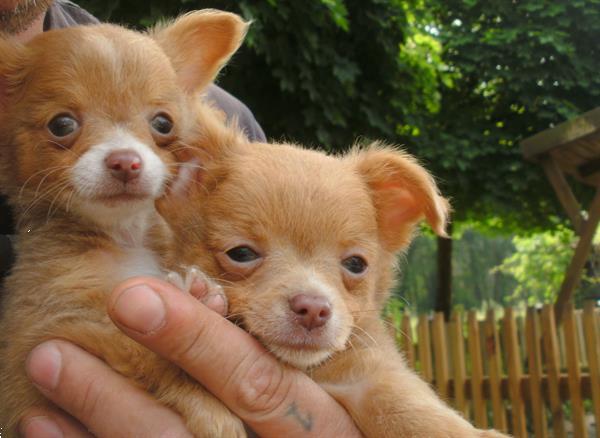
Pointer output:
x,y
403,193
200,43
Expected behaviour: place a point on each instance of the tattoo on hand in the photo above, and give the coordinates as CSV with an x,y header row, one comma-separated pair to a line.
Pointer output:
x,y
305,420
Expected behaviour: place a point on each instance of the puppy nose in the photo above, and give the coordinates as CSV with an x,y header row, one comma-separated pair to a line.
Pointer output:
x,y
312,310
124,165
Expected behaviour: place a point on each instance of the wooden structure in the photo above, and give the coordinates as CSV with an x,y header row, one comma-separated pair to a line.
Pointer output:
x,y
571,148
516,373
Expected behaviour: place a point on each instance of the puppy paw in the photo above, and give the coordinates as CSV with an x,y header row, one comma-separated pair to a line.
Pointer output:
x,y
213,423
198,284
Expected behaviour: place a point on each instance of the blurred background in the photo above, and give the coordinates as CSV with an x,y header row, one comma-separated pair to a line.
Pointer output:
x,y
456,83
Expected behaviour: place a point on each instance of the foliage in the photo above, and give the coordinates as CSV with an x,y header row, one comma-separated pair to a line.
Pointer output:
x,y
539,264
519,68
474,283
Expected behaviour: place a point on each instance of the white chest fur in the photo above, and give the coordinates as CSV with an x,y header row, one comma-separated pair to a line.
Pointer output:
x,y
137,261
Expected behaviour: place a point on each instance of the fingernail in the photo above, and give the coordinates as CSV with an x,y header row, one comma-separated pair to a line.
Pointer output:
x,y
140,308
44,364
41,427
215,302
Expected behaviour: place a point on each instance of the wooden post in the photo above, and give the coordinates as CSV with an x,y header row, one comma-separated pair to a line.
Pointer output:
x,y
443,301
563,192
582,251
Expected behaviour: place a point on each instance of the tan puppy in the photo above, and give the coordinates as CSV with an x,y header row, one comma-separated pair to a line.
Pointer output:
x,y
304,244
92,120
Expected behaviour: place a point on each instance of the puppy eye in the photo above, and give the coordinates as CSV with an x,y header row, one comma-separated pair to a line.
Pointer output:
x,y
355,264
242,254
162,124
63,125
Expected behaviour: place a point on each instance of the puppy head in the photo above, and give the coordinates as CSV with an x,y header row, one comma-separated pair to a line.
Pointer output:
x,y
92,116
304,242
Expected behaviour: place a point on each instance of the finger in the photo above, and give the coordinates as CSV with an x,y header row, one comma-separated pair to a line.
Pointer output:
x,y
105,402
273,399
50,423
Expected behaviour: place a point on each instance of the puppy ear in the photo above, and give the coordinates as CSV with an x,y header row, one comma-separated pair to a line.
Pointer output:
x,y
200,43
403,193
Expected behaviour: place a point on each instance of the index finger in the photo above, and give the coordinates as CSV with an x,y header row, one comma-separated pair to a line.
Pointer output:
x,y
273,399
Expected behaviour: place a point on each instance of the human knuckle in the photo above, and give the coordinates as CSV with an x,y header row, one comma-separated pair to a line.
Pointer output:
x,y
262,387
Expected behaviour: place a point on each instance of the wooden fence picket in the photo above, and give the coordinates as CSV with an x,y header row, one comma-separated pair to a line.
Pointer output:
x,y
550,341
534,356
494,359
440,352
572,354
425,349
515,374
592,339
479,401
407,343
459,364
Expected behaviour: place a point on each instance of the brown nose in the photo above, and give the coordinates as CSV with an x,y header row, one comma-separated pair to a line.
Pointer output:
x,y
124,165
312,311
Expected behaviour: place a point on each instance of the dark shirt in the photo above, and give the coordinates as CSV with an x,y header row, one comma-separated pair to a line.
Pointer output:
x,y
63,13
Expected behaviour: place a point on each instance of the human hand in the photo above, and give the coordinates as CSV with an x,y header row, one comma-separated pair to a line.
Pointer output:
x,y
274,400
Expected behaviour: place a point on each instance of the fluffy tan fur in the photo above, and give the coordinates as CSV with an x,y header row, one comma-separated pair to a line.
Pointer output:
x,y
302,213
71,255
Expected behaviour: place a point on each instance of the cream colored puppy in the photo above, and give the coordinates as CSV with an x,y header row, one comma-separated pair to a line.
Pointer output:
x,y
304,245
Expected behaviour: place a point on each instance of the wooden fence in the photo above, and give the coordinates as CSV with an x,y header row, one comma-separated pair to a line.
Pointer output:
x,y
519,373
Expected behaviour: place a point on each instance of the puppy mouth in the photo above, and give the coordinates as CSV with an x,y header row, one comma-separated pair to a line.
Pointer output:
x,y
119,198
301,345
111,193
301,355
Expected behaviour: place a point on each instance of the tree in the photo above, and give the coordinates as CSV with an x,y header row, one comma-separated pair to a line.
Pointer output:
x,y
517,68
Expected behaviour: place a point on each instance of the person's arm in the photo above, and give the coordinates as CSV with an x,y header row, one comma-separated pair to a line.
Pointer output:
x,y
236,109
274,400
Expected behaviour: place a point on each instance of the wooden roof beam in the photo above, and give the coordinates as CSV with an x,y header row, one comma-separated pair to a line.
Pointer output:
x,y
564,192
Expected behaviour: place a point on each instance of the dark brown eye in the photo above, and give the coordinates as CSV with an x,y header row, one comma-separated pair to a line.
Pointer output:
x,y
162,124
355,264
63,125
242,254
